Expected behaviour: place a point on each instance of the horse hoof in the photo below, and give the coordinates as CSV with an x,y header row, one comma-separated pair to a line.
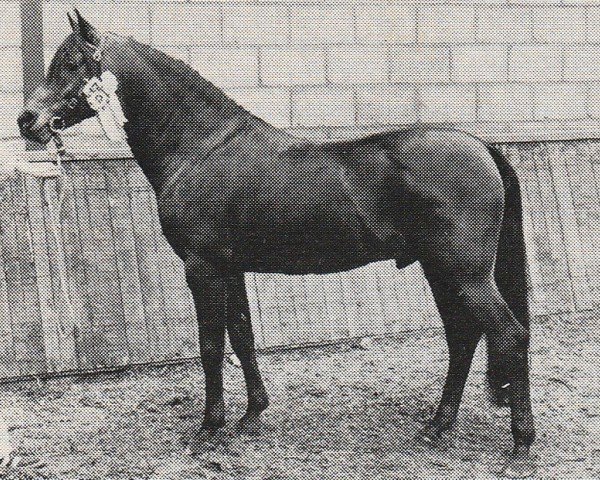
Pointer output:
x,y
519,466
199,436
249,424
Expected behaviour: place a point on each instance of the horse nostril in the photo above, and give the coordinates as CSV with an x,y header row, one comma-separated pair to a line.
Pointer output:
x,y
26,119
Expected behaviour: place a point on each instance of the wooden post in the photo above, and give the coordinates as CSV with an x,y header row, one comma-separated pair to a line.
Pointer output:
x,y
32,49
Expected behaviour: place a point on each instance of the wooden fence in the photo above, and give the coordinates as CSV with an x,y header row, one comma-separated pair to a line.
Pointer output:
x,y
128,302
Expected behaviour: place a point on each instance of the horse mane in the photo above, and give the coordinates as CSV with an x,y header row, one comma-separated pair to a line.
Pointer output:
x,y
186,81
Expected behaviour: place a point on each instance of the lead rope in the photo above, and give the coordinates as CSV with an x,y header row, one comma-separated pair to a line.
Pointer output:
x,y
55,215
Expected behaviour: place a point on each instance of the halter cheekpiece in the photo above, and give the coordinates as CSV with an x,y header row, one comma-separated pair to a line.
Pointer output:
x,y
100,94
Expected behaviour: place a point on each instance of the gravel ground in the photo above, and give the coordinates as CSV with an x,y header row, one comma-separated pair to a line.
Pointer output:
x,y
338,412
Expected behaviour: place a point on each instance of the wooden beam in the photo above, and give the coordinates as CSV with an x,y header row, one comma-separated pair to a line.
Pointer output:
x,y
32,49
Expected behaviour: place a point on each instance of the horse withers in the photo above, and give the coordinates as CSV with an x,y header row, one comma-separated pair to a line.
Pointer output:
x,y
236,194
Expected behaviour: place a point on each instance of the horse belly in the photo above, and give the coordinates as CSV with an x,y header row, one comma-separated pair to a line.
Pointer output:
x,y
313,243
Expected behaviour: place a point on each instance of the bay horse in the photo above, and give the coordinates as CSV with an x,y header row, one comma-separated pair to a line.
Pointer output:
x,y
235,194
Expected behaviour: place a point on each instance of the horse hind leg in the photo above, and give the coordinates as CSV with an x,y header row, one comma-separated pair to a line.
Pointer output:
x,y
483,308
462,335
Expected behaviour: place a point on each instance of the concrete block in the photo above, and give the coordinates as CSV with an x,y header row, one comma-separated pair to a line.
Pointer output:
x,y
329,106
386,23
446,24
10,31
254,24
560,101
10,106
126,19
505,102
175,24
357,64
320,24
593,107
504,24
386,104
447,103
11,73
299,65
419,64
593,24
582,63
535,63
559,24
479,63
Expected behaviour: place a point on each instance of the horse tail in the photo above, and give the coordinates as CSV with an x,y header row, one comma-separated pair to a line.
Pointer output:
x,y
511,271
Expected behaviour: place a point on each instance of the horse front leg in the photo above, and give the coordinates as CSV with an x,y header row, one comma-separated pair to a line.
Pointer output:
x,y
241,336
209,290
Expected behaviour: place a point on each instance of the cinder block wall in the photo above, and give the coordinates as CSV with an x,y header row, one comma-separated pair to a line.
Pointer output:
x,y
496,67
516,69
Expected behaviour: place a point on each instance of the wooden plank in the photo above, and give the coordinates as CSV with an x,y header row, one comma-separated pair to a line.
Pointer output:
x,y
76,314
148,271
282,292
595,270
337,314
365,314
582,293
535,210
108,306
553,288
8,364
255,309
316,307
126,263
372,306
27,322
272,324
532,233
557,293
387,278
48,309
415,303
87,341
587,213
303,323
64,245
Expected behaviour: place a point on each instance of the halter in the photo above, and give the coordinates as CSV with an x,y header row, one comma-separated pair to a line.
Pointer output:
x,y
100,94
57,124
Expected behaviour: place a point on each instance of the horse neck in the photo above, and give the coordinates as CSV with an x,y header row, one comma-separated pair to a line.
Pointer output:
x,y
173,114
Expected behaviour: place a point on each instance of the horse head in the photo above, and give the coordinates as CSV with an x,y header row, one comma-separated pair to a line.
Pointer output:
x,y
59,102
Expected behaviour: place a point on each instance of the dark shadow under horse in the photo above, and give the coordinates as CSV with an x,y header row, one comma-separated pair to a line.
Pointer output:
x,y
236,194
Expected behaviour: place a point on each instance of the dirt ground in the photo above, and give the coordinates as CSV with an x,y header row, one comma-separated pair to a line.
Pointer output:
x,y
338,412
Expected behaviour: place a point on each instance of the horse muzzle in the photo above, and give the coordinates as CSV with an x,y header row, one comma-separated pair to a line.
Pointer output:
x,y
34,126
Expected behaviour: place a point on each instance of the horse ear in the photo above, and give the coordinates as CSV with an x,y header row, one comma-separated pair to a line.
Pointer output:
x,y
73,20
84,28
